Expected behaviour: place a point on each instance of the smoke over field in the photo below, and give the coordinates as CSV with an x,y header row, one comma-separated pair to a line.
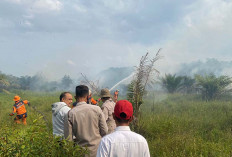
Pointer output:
x,y
182,103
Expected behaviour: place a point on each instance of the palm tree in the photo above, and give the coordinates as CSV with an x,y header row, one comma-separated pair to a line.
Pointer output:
x,y
143,77
212,87
187,84
171,83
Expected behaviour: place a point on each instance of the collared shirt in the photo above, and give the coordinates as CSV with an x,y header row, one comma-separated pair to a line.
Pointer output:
x,y
123,143
87,124
108,109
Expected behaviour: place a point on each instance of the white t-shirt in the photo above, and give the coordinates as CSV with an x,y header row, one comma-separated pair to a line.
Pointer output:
x,y
123,143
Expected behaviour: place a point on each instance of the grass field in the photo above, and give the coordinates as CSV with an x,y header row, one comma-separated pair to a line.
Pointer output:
x,y
179,125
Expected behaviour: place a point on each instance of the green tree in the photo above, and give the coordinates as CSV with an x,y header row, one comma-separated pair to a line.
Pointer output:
x,y
13,81
25,82
4,83
66,82
212,87
171,83
187,84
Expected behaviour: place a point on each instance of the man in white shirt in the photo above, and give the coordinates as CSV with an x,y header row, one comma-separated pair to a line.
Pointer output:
x,y
123,142
59,111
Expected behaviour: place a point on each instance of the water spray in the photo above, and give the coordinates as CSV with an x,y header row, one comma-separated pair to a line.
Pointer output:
x,y
125,79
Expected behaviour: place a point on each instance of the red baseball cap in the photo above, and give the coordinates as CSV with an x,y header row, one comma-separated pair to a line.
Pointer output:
x,y
123,106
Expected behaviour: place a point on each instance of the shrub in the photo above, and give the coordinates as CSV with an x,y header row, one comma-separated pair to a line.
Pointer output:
x,y
35,140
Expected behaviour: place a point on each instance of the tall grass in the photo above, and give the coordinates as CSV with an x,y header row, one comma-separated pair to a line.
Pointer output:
x,y
178,126
175,126
36,138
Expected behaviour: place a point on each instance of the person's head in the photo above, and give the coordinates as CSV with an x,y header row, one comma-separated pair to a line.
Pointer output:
x,y
123,113
16,98
67,98
90,93
105,94
82,93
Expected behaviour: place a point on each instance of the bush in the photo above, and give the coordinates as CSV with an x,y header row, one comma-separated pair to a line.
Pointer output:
x,y
35,140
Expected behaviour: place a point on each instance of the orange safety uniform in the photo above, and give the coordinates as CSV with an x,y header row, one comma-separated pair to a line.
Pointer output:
x,y
20,109
116,96
90,99
94,102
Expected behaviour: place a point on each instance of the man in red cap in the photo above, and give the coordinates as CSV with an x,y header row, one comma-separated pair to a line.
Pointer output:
x,y
123,142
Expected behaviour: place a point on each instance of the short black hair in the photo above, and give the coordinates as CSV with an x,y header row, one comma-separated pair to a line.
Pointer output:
x,y
62,95
123,115
82,91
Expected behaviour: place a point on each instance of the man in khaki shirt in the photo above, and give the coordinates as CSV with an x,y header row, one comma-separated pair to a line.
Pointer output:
x,y
86,123
108,109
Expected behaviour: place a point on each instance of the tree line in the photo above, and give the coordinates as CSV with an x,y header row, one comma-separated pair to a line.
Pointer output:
x,y
209,86
34,83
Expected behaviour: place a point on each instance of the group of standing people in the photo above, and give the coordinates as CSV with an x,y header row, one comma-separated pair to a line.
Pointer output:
x,y
104,131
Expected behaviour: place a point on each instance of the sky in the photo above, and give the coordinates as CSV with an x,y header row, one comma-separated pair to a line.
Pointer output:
x,y
67,37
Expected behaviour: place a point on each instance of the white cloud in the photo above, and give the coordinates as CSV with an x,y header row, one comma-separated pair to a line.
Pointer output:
x,y
14,1
117,32
119,5
70,62
39,6
6,24
205,32
213,14
46,5
27,23
80,8
188,21
28,16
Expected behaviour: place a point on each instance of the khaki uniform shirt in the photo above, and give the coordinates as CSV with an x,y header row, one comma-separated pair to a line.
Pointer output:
x,y
108,109
86,123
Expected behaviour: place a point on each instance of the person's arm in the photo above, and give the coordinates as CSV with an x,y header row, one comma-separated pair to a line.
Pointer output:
x,y
105,112
102,150
26,102
14,111
102,124
68,128
146,150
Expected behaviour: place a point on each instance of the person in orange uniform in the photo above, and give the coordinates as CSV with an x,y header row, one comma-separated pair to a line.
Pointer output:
x,y
20,109
116,96
91,100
